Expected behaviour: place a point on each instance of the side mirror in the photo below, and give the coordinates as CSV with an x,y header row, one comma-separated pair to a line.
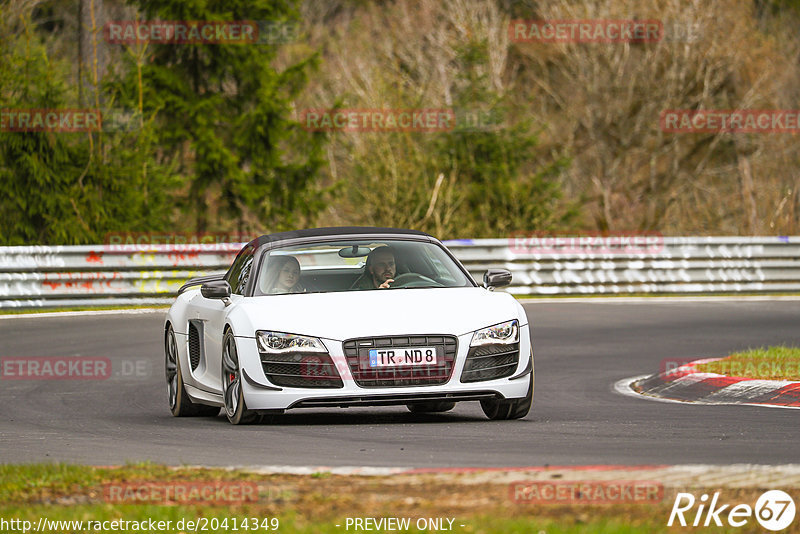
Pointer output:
x,y
496,278
217,289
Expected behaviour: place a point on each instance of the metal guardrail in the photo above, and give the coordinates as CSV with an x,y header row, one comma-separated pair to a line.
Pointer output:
x,y
688,265
104,275
61,276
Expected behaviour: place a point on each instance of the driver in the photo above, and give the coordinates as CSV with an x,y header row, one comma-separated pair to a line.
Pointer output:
x,y
380,269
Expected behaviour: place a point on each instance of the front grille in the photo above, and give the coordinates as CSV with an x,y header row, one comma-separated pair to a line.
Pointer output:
x,y
194,346
489,362
302,370
357,353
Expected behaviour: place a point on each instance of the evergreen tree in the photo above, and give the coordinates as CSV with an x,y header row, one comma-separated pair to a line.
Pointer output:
x,y
223,110
68,187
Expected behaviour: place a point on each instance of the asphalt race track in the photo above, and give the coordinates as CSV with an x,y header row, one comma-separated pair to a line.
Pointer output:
x,y
582,349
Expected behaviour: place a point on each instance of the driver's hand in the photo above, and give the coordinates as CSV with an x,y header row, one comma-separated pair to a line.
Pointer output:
x,y
385,285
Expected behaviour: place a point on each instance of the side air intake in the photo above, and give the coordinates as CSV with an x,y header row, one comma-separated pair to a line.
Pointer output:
x,y
194,346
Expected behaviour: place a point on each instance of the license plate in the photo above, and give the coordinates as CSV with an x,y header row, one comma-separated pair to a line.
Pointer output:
x,y
401,357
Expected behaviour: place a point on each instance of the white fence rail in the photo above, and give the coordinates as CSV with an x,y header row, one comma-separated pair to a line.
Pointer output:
x,y
41,276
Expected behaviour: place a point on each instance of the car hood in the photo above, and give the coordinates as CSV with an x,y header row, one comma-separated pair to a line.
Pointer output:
x,y
379,312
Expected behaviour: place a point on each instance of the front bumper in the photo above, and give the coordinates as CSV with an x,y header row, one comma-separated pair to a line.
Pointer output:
x,y
262,395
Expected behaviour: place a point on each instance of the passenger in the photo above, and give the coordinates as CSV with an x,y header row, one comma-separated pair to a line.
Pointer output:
x,y
283,275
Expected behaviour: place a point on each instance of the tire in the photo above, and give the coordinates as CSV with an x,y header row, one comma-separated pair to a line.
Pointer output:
x,y
232,394
179,403
431,407
502,410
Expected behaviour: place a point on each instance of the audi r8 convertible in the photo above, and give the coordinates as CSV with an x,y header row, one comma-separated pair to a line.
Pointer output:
x,y
338,317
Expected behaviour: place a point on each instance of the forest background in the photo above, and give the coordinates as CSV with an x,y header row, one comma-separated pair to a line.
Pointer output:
x,y
550,137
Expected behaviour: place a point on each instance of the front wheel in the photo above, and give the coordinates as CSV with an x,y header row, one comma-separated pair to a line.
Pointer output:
x,y
500,410
233,396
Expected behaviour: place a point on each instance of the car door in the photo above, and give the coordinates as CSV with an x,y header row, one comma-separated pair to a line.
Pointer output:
x,y
207,319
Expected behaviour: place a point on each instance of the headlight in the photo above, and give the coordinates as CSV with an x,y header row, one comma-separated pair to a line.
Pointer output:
x,y
503,334
281,343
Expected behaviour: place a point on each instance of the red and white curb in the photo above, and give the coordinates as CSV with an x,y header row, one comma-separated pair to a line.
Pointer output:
x,y
688,385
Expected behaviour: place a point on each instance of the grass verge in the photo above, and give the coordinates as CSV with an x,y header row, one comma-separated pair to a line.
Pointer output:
x,y
766,363
307,504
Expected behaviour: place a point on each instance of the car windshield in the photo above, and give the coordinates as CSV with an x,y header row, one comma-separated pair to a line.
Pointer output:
x,y
352,265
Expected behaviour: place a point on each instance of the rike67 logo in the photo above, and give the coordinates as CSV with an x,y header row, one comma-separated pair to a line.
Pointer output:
x,y
774,510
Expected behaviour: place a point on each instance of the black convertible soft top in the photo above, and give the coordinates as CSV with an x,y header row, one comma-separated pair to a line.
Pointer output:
x,y
333,231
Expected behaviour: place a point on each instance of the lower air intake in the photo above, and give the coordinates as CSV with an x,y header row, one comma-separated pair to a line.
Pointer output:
x,y
489,362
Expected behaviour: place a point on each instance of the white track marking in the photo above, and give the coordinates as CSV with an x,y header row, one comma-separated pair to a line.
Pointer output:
x,y
136,311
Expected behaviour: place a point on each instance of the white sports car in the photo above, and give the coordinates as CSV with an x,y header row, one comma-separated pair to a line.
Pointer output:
x,y
338,317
